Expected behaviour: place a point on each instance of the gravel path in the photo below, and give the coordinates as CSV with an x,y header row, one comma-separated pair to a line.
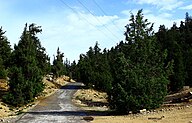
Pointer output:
x,y
58,108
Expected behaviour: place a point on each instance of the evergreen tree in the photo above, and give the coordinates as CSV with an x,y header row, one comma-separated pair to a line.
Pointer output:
x,y
67,68
73,70
101,76
42,59
177,41
5,49
175,53
94,69
3,72
141,79
187,48
25,74
85,67
58,67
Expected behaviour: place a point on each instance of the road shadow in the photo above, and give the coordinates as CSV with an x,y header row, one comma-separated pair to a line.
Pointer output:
x,y
73,86
71,113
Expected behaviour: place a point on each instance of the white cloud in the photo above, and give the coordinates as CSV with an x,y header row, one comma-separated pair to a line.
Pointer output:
x,y
162,18
189,7
165,15
134,11
74,34
162,4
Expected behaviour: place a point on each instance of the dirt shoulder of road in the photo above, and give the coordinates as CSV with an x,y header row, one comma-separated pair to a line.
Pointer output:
x,y
171,113
89,99
181,114
51,87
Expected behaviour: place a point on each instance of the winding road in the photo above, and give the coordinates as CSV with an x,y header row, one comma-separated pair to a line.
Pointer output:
x,y
57,108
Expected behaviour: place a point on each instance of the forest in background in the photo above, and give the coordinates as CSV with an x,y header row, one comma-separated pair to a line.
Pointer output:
x,y
137,73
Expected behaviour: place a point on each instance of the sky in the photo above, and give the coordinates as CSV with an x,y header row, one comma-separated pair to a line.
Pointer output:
x,y
75,25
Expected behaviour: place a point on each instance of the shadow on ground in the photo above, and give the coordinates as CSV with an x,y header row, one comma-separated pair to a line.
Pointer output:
x,y
73,87
71,113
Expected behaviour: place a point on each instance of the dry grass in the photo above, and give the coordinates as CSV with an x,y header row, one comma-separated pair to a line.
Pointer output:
x,y
4,109
3,85
91,95
91,99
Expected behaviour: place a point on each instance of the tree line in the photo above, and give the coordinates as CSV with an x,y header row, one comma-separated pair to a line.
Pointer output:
x,y
139,72
26,65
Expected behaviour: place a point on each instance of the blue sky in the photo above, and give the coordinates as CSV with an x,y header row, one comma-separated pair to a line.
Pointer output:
x,y
75,25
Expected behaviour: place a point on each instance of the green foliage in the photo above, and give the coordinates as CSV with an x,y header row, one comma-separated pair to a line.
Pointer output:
x,y
94,69
43,60
73,70
140,79
5,53
58,67
187,48
5,49
134,73
67,68
17,85
177,41
27,71
3,72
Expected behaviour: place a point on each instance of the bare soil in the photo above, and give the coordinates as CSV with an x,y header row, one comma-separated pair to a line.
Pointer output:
x,y
175,115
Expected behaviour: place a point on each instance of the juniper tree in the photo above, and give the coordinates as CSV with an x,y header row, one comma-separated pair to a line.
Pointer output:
x,y
58,67
141,78
187,50
25,73
5,49
3,72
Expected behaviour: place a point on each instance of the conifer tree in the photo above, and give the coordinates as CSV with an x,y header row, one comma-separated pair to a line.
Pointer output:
x,y
5,49
25,73
94,69
141,79
85,67
3,72
187,50
177,42
175,53
58,67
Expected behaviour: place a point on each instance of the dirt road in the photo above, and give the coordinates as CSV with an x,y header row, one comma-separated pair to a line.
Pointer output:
x,y
57,108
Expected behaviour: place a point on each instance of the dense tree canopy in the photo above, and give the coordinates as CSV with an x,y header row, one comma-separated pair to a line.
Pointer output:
x,y
141,79
177,42
134,73
5,53
94,69
5,48
58,67
26,72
